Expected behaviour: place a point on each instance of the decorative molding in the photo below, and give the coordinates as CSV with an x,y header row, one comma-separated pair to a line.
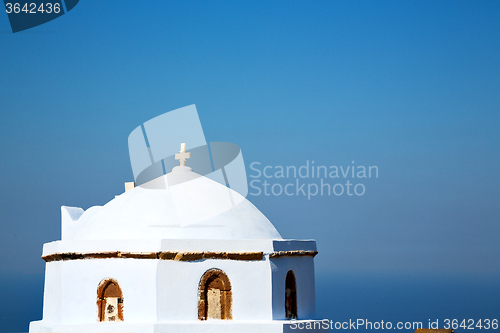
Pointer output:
x,y
296,253
177,256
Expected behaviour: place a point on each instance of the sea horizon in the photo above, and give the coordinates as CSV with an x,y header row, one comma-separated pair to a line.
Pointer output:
x,y
340,298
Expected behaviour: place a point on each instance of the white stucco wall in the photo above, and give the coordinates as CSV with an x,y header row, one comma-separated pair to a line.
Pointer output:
x,y
153,290
52,292
157,291
303,269
178,284
71,289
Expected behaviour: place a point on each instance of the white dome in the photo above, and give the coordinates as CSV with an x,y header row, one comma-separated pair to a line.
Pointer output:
x,y
179,205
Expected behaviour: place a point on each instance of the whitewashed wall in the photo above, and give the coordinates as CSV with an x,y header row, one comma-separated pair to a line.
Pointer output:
x,y
178,288
303,269
71,289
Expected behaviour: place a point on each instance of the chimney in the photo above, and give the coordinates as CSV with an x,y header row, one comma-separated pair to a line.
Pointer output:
x,y
129,186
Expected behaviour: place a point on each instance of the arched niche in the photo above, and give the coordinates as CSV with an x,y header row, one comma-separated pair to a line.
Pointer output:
x,y
109,301
214,296
290,296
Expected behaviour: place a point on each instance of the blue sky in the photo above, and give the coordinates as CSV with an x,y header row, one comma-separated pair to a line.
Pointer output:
x,y
411,87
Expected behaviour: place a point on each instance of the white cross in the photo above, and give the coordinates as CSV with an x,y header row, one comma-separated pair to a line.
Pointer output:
x,y
182,155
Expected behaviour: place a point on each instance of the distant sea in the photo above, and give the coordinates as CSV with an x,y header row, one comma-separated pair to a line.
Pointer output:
x,y
407,298
339,298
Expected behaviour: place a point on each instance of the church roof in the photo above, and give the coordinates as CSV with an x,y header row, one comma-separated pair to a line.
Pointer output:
x,y
178,205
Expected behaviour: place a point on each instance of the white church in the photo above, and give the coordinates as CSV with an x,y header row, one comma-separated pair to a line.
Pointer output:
x,y
179,253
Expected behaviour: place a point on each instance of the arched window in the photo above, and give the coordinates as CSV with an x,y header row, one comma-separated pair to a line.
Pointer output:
x,y
214,296
109,301
290,296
